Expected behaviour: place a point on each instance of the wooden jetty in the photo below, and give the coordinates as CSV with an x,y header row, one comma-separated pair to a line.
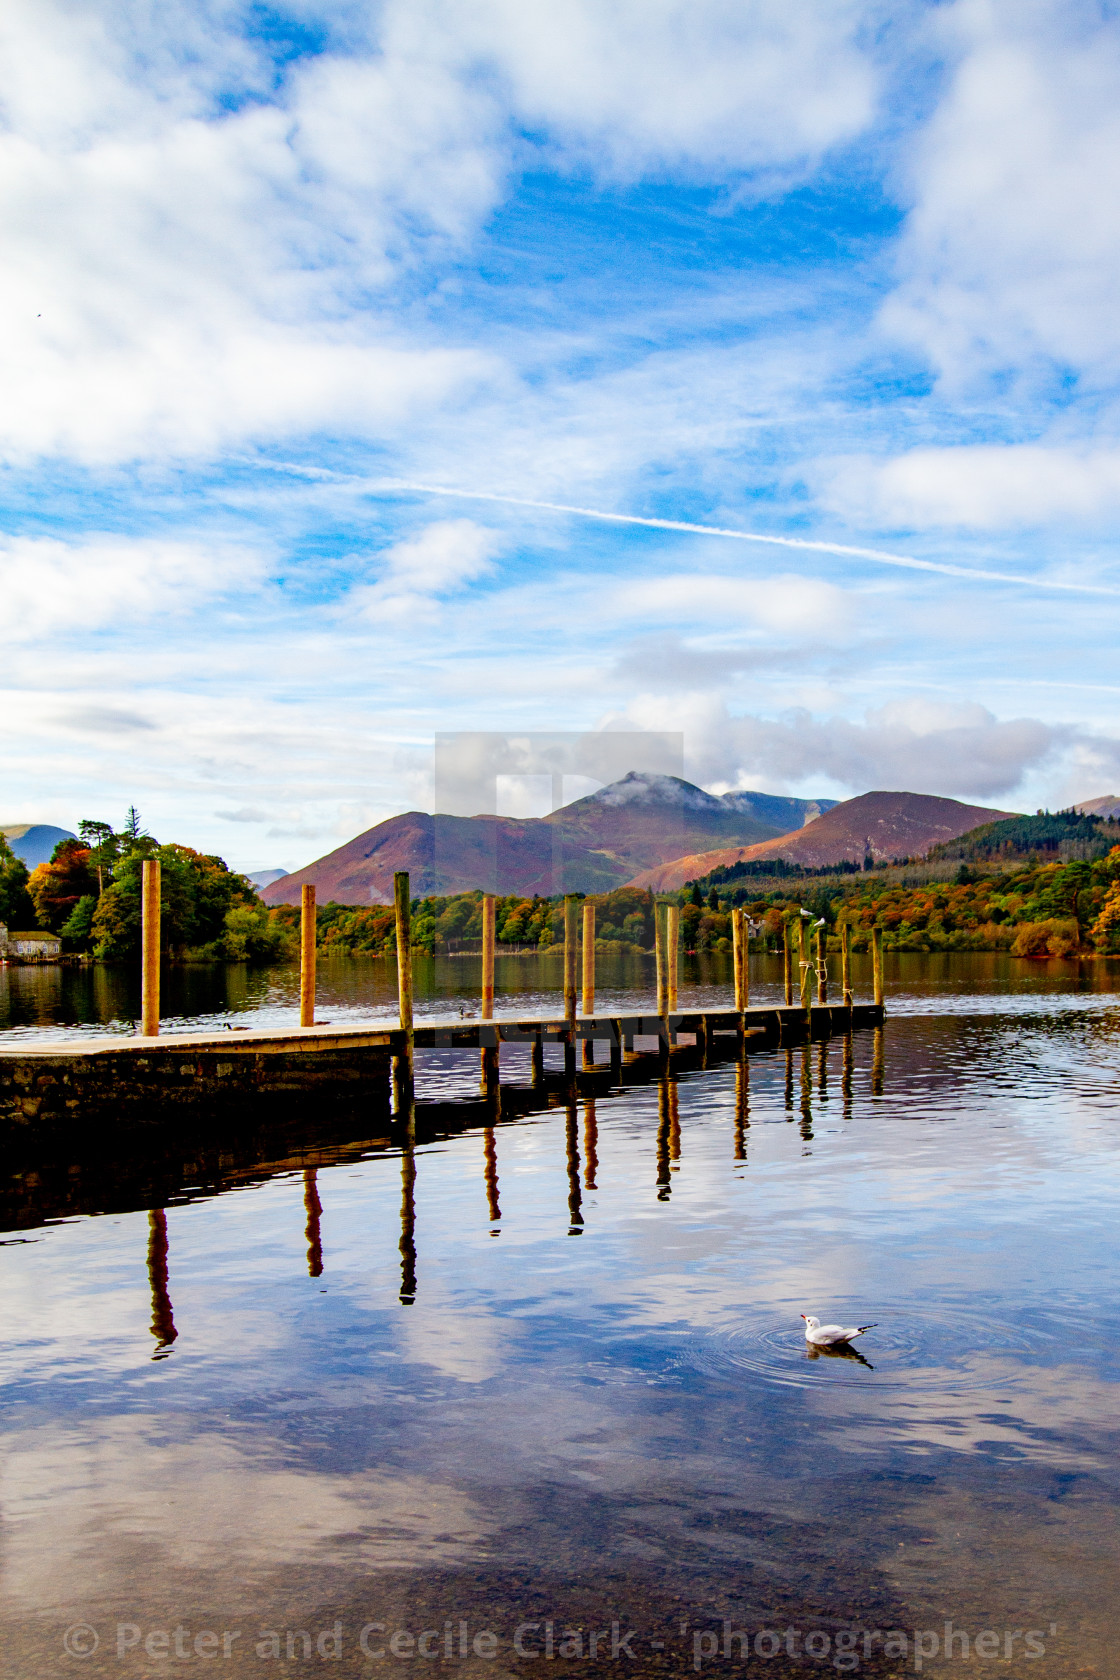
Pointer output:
x,y
64,1084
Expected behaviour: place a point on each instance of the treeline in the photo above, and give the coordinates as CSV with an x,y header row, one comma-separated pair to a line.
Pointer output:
x,y
89,894
1034,909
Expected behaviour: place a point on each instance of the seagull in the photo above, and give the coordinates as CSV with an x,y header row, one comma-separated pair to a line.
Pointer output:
x,y
830,1335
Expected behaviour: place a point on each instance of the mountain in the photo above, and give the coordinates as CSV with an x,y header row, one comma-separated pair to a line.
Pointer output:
x,y
886,825
1108,805
592,845
34,842
265,877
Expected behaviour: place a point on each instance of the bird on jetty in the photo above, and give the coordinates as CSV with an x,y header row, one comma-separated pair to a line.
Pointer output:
x,y
830,1335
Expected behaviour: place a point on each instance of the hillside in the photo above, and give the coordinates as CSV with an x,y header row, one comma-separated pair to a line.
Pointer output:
x,y
1107,805
1068,834
592,845
882,825
33,843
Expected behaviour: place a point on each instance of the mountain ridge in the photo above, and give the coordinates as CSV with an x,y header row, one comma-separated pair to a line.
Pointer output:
x,y
883,823
592,845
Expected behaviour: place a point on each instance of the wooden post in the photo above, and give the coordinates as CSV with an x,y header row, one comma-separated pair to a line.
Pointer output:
x,y
672,953
877,963
402,906
787,960
536,1059
743,977
487,955
571,942
588,978
489,1052
307,957
803,960
149,942
846,964
737,954
659,952
822,965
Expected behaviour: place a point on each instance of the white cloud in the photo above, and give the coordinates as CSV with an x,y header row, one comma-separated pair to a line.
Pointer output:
x,y
48,586
1012,249
197,249
788,603
646,83
440,559
960,751
980,486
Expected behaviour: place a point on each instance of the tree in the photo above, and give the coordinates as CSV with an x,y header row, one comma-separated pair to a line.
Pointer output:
x,y
56,887
16,907
104,848
132,829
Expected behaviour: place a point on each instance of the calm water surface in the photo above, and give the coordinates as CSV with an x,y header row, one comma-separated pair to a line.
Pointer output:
x,y
549,1373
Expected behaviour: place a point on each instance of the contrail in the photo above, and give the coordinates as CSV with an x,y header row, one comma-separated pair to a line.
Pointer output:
x,y
882,556
878,554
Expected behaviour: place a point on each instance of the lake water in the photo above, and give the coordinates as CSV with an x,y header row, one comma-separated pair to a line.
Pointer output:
x,y
327,1397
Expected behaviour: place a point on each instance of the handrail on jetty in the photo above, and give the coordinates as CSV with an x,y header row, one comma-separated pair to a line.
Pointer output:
x,y
65,1082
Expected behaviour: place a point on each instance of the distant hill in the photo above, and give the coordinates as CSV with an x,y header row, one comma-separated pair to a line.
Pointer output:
x,y
592,845
1056,834
884,825
1108,805
34,842
265,877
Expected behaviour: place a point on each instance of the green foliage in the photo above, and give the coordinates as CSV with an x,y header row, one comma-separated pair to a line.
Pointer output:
x,y
17,911
77,929
57,886
197,894
1049,833
250,934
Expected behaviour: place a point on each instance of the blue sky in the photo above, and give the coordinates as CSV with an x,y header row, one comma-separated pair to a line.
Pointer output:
x,y
841,274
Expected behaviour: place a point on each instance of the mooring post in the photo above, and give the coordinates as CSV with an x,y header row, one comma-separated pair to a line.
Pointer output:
x,y
877,964
744,998
536,1059
659,916
402,906
588,978
846,964
803,960
571,946
787,960
487,955
489,1052
737,954
307,957
822,965
149,943
673,958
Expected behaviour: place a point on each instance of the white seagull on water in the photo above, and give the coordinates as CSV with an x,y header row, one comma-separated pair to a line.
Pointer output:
x,y
830,1335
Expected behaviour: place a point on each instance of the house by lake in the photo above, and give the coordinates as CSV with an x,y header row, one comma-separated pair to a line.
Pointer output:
x,y
29,947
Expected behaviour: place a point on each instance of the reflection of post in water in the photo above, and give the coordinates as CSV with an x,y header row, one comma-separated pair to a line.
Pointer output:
x,y
806,1094
314,1210
575,1217
490,1156
877,1063
536,1059
846,1076
664,1124
163,1320
822,1069
674,1122
789,1083
590,1144
742,1108
408,1225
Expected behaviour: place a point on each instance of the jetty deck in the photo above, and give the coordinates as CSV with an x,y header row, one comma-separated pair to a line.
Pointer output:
x,y
71,1081
65,1084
